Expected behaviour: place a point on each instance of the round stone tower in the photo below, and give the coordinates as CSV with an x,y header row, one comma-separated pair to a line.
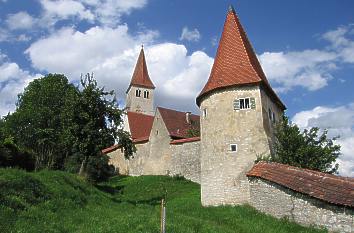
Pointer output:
x,y
238,108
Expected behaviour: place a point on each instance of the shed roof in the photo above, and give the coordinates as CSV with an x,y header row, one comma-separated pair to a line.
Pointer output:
x,y
330,188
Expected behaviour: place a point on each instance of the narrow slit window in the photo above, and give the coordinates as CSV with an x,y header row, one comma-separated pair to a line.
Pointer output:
x,y
204,112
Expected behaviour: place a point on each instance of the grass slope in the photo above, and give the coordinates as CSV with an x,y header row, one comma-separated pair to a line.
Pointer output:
x,y
53,201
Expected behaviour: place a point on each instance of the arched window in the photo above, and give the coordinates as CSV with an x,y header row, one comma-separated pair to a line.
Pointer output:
x,y
137,93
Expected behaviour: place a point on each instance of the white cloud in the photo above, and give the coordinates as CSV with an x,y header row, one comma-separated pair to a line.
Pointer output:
x,y
55,10
341,42
310,69
111,54
20,20
12,82
340,122
106,12
190,35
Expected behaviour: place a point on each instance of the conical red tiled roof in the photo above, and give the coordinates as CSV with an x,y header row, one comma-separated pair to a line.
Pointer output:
x,y
141,76
236,62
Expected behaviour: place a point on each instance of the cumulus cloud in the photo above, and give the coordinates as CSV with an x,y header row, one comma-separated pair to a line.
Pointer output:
x,y
12,81
20,20
340,122
106,12
310,69
73,52
190,35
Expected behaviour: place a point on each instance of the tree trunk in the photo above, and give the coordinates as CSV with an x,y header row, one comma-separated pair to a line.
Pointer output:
x,y
82,171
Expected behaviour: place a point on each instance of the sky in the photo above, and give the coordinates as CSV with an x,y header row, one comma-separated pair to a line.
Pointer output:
x,y
306,49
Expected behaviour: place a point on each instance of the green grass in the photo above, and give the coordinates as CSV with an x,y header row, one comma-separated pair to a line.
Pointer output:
x,y
53,201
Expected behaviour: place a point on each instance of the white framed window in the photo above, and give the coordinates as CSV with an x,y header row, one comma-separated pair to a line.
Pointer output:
x,y
233,148
244,103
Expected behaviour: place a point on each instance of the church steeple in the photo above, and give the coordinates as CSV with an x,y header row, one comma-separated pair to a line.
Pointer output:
x,y
140,76
140,93
236,62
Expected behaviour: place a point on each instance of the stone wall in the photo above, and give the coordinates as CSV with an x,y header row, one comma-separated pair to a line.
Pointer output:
x,y
140,104
158,157
186,160
280,202
134,166
223,172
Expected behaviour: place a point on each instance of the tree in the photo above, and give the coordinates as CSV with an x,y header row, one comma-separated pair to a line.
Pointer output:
x,y
94,122
308,149
36,124
66,127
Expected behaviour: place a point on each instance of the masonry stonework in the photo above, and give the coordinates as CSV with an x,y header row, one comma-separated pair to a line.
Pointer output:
x,y
282,202
140,104
186,160
223,172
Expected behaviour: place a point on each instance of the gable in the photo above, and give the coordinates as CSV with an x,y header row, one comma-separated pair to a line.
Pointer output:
x,y
176,122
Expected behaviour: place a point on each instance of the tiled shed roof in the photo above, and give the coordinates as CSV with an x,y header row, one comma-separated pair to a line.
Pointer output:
x,y
236,62
141,76
184,140
176,122
334,189
140,125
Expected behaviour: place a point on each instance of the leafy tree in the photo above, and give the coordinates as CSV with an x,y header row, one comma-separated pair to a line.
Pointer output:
x,y
194,130
66,127
93,122
36,123
308,149
12,156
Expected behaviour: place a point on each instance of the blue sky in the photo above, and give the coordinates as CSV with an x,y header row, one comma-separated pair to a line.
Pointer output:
x,y
306,49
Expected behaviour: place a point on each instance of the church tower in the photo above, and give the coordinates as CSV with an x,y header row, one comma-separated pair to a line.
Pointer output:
x,y
238,109
140,93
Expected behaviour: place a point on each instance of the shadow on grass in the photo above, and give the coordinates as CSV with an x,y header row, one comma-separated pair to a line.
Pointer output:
x,y
109,189
153,201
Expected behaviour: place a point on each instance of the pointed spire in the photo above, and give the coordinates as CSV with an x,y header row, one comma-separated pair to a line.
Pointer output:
x,y
141,76
235,62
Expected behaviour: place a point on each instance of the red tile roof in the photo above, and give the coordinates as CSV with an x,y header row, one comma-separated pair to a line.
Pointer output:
x,y
140,125
236,62
184,140
334,189
141,76
110,149
176,122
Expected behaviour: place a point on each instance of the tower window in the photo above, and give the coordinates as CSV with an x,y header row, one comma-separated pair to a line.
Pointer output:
x,y
146,94
245,103
204,112
137,93
233,147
